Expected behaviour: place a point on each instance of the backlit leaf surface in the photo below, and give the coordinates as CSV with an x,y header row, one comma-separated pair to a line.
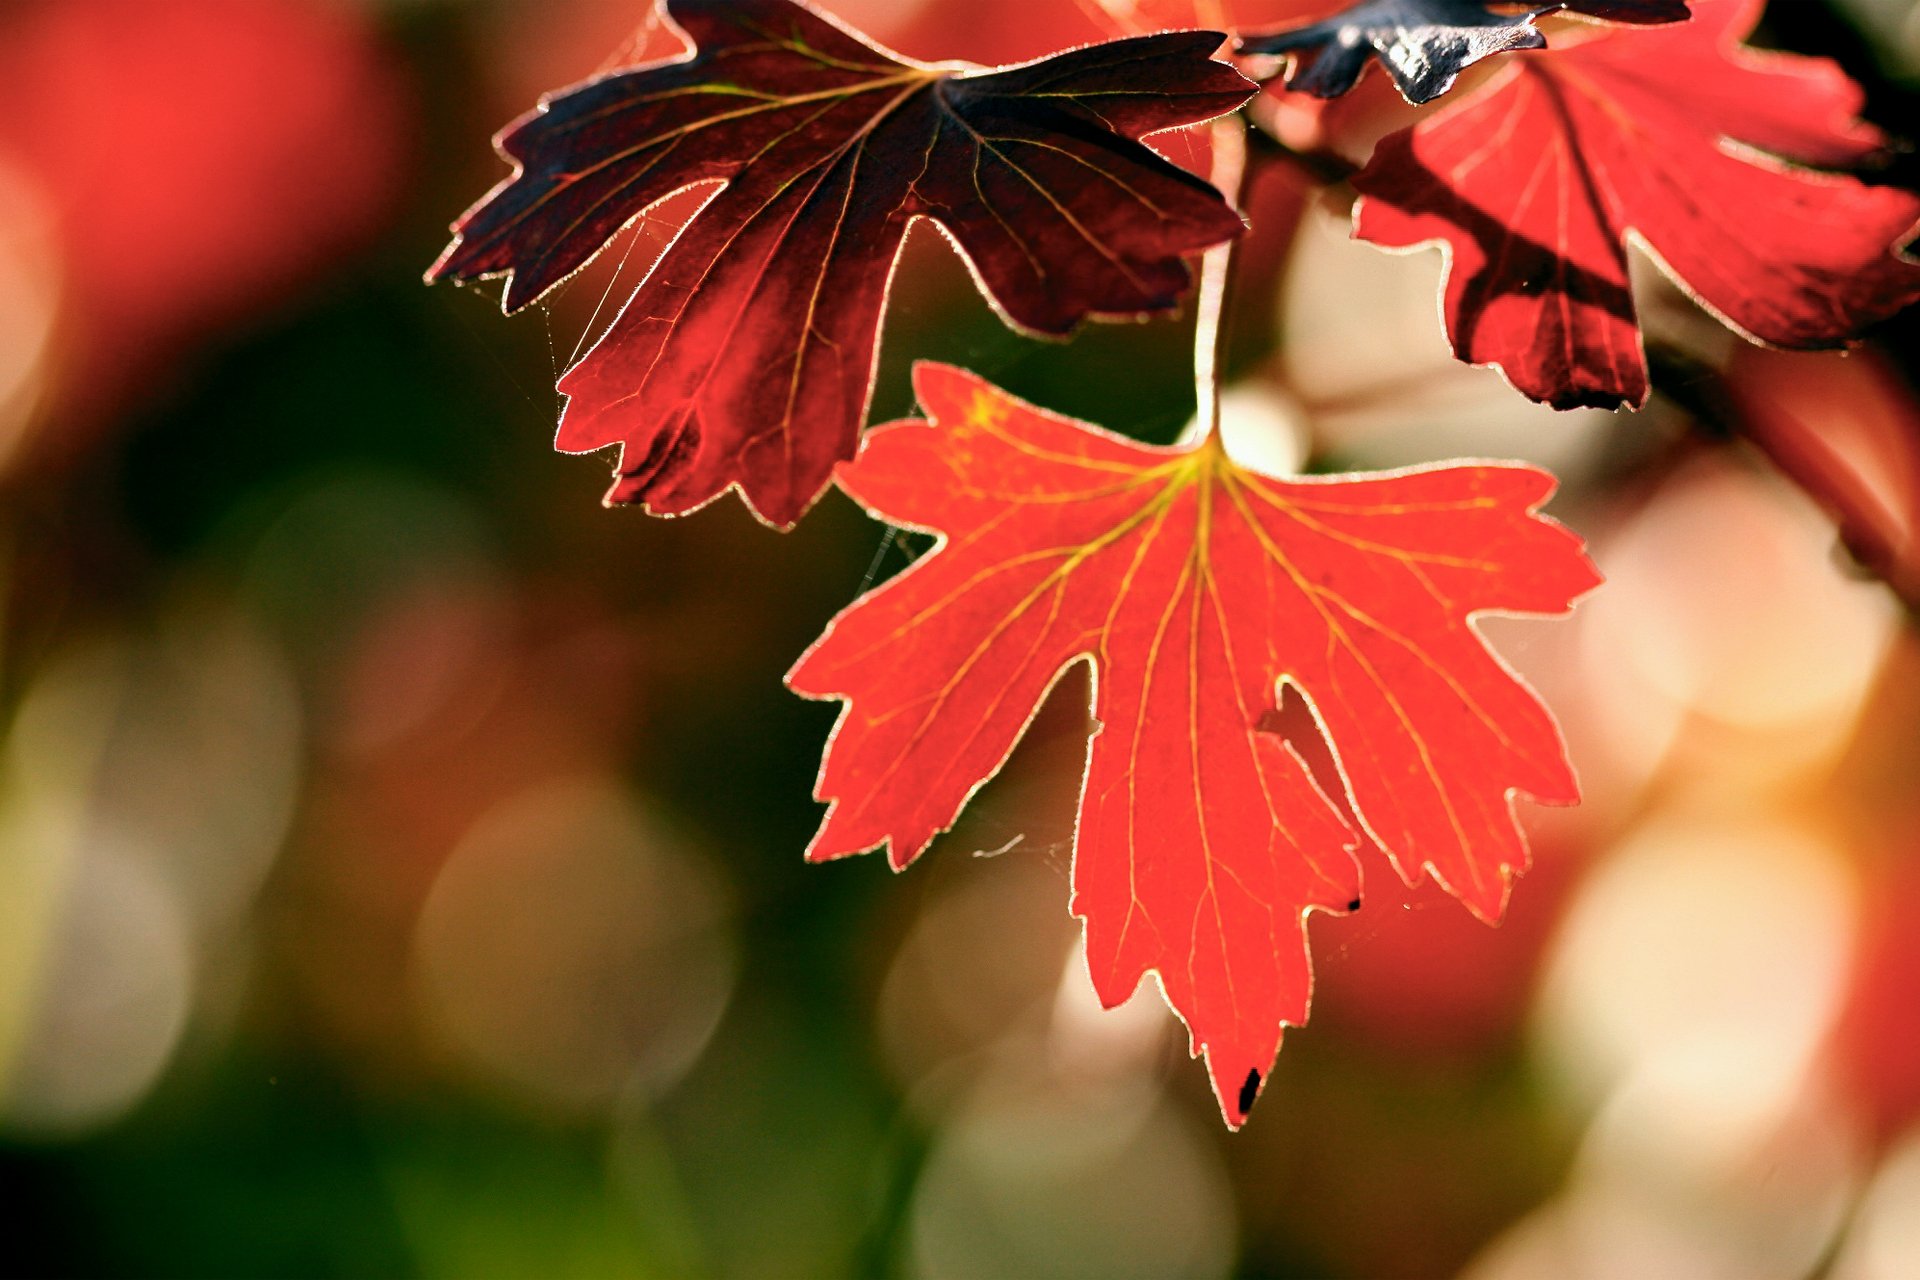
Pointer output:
x,y
1196,588
746,355
1534,183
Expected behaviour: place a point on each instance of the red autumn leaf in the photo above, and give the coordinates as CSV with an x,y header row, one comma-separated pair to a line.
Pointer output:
x,y
1534,183
746,355
1196,588
1425,44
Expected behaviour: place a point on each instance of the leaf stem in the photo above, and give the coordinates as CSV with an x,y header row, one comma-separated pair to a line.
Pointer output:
x,y
1229,143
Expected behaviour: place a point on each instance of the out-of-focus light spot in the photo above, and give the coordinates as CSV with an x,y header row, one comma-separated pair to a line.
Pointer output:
x,y
1884,1242
148,784
1771,1178
1895,29
112,994
1089,1043
201,765
1696,1108
1263,428
1366,355
1619,735
95,971
1650,1203
1645,1200
1587,1239
571,950
1042,1183
994,968
1785,647
983,962
435,652
1723,948
43,774
995,32
29,301
875,16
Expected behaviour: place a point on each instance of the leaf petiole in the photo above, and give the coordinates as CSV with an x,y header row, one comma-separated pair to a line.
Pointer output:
x,y
1229,170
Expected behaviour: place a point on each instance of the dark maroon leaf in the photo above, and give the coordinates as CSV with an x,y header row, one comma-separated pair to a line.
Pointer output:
x,y
745,358
1425,44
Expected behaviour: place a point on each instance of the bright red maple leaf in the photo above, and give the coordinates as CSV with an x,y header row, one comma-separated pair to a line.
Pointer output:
x,y
746,355
1197,588
1679,134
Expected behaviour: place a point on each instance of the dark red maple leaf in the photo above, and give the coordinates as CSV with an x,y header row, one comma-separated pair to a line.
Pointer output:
x,y
1196,588
1425,44
746,355
1535,182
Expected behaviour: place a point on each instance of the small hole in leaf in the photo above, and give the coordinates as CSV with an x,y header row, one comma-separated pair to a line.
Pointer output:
x,y
1249,1091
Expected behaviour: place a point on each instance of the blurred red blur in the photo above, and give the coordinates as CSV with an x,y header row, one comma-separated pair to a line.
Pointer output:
x,y
203,157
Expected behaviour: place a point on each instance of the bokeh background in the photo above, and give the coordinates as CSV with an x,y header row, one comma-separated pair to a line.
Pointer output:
x,y
400,855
